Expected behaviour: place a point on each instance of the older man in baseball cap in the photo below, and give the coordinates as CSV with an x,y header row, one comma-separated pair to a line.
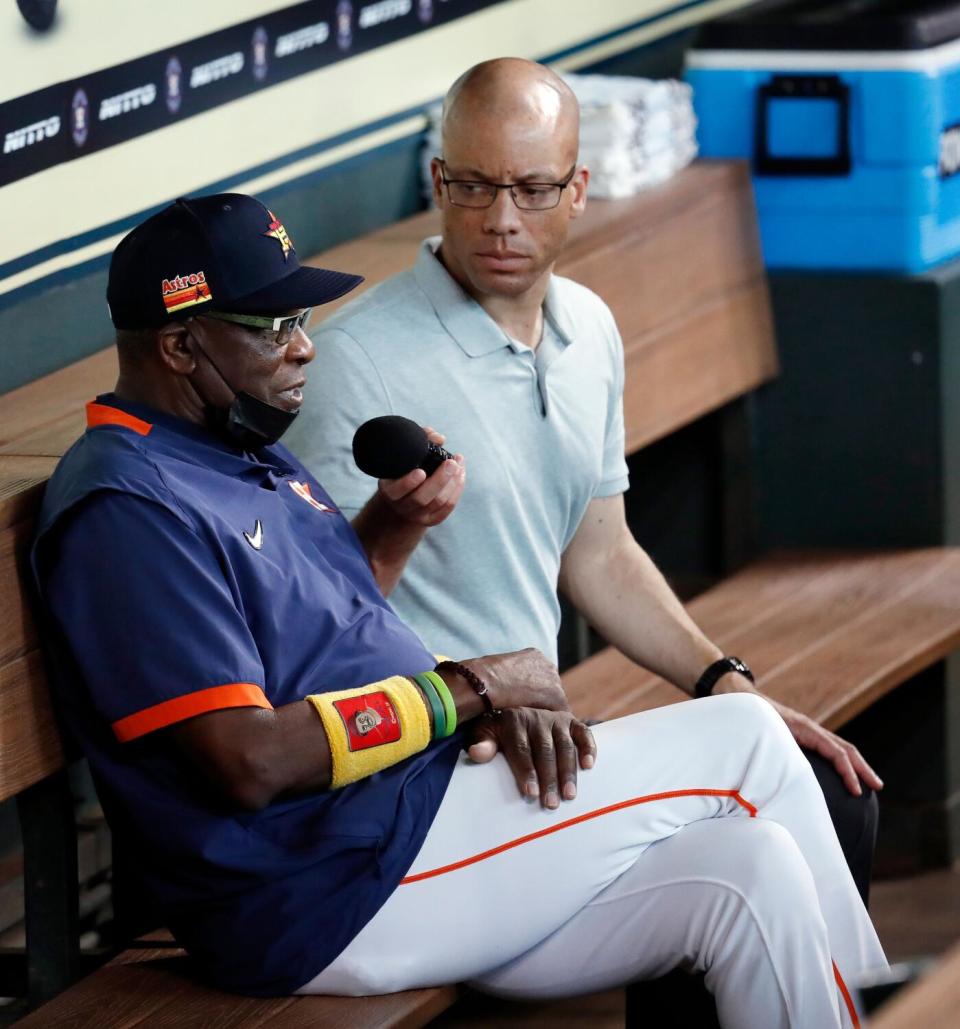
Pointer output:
x,y
227,265
283,755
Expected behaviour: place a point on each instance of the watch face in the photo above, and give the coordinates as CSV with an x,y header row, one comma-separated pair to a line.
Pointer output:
x,y
737,665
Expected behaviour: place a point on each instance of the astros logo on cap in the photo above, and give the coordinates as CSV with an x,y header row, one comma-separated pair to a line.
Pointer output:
x,y
279,233
185,290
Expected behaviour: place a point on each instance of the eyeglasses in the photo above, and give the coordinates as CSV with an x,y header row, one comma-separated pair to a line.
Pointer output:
x,y
528,196
285,326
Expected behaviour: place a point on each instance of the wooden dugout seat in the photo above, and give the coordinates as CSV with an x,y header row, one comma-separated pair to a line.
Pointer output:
x,y
149,985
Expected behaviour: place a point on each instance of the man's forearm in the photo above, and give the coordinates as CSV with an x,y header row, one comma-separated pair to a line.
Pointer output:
x,y
625,598
253,756
387,540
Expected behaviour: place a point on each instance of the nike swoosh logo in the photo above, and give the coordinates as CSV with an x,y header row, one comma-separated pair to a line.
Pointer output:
x,y
255,540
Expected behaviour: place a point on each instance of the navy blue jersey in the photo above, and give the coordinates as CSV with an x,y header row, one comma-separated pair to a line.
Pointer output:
x,y
183,577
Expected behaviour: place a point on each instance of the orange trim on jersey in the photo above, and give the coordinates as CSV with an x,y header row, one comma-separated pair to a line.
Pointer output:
x,y
103,414
215,698
847,999
671,794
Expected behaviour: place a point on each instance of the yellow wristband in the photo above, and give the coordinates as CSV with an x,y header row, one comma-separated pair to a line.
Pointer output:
x,y
372,727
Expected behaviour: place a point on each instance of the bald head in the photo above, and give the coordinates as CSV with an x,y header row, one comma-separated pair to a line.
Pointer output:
x,y
512,91
513,125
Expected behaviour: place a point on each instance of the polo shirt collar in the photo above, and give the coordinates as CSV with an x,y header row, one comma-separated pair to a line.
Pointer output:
x,y
464,319
109,409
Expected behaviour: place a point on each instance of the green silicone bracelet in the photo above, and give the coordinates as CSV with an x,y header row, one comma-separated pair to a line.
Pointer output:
x,y
436,705
447,698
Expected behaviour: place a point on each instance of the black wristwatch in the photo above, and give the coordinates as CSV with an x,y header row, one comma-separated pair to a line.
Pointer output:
x,y
708,680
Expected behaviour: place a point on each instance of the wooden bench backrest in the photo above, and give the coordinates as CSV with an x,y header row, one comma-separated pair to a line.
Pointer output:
x,y
680,266
29,741
38,422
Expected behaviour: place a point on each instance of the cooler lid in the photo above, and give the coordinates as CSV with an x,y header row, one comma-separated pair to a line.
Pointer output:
x,y
835,25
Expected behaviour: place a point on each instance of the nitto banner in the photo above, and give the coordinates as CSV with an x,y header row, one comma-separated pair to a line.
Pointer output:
x,y
117,104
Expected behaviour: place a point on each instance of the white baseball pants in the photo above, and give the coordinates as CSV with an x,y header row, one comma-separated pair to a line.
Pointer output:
x,y
700,839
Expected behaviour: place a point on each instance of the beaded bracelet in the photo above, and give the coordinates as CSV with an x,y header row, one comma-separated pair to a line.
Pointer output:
x,y
475,682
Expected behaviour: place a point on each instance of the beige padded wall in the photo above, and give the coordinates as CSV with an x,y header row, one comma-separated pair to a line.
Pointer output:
x,y
79,196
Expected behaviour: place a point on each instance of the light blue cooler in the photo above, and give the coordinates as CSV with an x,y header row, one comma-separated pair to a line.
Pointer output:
x,y
852,124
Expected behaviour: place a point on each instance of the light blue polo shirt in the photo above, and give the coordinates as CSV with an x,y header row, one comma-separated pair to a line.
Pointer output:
x,y
542,433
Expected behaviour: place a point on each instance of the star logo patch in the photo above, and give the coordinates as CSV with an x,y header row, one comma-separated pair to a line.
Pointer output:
x,y
275,230
302,490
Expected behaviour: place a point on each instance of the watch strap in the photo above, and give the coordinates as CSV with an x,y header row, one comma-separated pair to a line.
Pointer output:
x,y
706,682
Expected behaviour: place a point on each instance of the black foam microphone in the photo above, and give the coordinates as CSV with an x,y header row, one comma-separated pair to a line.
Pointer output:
x,y
390,446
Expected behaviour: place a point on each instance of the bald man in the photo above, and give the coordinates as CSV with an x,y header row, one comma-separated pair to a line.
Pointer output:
x,y
524,369
650,859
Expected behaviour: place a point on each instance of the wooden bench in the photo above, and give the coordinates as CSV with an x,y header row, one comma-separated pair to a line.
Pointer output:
x,y
150,985
680,266
827,633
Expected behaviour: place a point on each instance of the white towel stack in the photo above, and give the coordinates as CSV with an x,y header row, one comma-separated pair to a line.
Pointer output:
x,y
634,133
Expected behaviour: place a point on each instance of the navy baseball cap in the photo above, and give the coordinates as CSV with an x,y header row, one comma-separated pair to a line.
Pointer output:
x,y
226,252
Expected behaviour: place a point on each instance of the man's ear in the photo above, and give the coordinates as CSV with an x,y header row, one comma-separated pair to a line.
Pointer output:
x,y
578,190
436,173
175,348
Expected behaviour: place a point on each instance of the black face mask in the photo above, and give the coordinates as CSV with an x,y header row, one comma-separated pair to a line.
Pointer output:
x,y
248,422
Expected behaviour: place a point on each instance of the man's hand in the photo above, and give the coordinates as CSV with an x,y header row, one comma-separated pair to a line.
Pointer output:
x,y
544,750
848,761
395,518
426,501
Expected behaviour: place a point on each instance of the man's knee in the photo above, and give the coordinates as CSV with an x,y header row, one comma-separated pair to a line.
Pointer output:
x,y
751,882
746,715
757,859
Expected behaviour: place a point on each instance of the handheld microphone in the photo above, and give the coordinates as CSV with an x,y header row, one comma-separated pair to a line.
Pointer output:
x,y
390,446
